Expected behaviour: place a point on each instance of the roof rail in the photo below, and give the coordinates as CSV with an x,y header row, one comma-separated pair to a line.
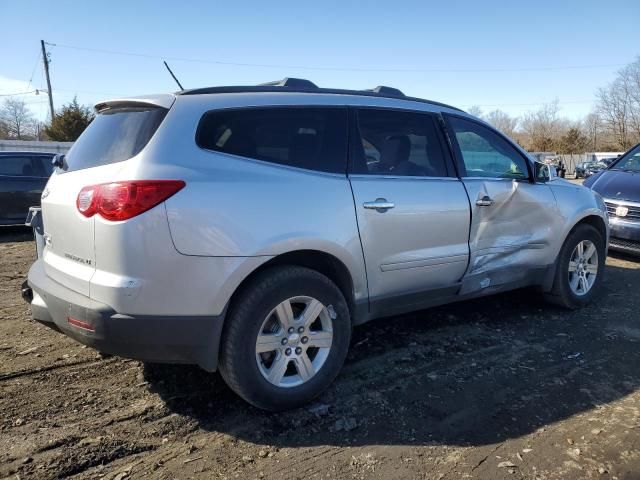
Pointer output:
x,y
302,85
291,83
386,91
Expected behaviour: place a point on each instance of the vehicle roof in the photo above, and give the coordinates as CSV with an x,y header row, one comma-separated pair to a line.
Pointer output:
x,y
316,90
23,152
286,85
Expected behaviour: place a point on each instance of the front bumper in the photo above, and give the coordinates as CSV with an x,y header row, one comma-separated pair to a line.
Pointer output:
x,y
625,236
152,338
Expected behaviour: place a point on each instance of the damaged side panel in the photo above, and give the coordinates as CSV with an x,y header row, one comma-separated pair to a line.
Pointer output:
x,y
513,232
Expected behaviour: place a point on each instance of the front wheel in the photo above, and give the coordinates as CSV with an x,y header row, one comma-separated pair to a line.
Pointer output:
x,y
579,269
286,338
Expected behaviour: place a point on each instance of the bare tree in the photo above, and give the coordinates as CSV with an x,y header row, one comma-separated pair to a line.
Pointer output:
x,y
18,119
618,104
593,130
475,110
544,127
502,121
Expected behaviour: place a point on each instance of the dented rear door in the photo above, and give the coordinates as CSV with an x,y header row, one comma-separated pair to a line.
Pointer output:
x,y
513,220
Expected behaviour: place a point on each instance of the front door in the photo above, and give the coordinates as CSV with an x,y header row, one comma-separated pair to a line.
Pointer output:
x,y
513,220
412,212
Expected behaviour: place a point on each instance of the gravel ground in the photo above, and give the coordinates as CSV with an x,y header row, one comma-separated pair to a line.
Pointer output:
x,y
501,387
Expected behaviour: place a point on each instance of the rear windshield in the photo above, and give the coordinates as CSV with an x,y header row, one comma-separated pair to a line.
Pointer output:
x,y
113,136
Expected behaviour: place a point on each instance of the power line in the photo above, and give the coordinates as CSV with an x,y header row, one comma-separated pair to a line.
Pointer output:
x,y
344,69
16,94
570,102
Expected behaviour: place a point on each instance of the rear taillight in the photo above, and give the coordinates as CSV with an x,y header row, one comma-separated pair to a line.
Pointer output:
x,y
122,200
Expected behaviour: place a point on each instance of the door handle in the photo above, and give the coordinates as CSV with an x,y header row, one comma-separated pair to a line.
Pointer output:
x,y
485,201
380,204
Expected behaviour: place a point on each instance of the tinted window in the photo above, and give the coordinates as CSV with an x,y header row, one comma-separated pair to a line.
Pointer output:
x,y
113,136
398,143
44,165
630,161
20,166
310,137
485,153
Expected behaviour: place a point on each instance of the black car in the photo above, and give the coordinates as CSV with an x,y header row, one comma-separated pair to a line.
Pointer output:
x,y
23,176
619,185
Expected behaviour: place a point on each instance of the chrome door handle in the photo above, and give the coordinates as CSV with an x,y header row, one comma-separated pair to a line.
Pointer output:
x,y
485,201
381,205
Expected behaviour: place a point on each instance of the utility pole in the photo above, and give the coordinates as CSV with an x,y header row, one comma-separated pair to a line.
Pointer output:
x,y
45,60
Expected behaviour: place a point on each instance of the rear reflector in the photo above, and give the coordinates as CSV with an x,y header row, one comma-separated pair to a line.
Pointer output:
x,y
80,324
123,200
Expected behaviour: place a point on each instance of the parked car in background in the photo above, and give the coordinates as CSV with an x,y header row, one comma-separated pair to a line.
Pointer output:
x,y
593,168
608,160
619,185
23,176
581,169
250,228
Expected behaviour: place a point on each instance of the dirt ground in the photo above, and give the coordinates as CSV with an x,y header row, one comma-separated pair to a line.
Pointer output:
x,y
501,387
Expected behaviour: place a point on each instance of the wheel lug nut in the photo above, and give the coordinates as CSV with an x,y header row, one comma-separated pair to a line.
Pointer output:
x,y
284,341
287,352
304,340
298,350
290,330
300,329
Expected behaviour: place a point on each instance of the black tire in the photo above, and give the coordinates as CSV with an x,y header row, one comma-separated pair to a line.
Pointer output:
x,y
561,293
248,311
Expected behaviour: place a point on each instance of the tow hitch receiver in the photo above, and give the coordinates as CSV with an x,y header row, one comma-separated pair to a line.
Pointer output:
x,y
27,293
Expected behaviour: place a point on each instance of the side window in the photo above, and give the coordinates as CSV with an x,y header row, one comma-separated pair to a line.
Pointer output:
x,y
485,153
314,138
392,142
43,166
17,167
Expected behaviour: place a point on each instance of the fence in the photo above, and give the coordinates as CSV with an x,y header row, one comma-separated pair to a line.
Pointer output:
x,y
34,146
571,160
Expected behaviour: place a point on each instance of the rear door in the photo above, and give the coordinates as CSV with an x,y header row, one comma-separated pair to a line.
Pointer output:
x,y
98,156
512,218
21,182
413,213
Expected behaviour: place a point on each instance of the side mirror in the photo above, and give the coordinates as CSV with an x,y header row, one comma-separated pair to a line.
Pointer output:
x,y
542,172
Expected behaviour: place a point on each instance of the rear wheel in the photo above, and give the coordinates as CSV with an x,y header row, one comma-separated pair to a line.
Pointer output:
x,y
580,268
286,338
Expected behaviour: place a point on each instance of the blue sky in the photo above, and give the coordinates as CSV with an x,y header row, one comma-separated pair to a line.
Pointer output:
x,y
509,55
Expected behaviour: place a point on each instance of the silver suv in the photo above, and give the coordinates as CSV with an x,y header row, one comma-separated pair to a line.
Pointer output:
x,y
250,228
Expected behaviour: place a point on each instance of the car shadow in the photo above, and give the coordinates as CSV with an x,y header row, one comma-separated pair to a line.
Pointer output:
x,y
472,373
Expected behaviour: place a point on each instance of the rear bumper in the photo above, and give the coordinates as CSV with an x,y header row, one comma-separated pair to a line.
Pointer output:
x,y
151,338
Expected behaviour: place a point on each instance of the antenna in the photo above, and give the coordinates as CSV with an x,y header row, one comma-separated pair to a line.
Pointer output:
x,y
174,77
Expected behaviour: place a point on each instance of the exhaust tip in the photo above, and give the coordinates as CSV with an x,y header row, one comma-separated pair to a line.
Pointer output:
x,y
27,292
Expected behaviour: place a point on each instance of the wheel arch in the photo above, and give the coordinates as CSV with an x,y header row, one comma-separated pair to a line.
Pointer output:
x,y
325,263
592,219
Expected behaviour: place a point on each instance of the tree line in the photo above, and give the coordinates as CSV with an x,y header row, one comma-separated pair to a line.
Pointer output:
x,y
613,124
17,122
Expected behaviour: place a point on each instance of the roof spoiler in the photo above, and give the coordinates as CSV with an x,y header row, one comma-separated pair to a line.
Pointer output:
x,y
164,100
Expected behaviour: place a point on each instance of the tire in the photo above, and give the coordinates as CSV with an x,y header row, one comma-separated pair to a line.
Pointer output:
x,y
562,292
308,369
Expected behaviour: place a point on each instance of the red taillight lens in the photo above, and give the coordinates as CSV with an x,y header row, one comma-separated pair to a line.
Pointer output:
x,y
123,200
86,201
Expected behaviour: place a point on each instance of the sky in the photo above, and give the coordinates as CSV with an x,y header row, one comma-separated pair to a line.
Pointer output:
x,y
510,55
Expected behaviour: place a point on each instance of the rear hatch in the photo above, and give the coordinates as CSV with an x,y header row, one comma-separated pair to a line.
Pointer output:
x,y
106,151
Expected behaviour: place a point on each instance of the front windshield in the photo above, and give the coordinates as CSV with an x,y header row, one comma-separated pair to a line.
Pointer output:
x,y
629,162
